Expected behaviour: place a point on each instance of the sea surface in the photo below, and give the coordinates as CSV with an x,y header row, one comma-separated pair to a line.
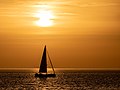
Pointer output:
x,y
65,80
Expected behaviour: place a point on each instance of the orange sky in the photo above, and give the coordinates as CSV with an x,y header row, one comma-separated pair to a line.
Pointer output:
x,y
83,34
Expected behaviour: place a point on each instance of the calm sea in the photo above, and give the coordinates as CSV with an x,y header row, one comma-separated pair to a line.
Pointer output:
x,y
23,79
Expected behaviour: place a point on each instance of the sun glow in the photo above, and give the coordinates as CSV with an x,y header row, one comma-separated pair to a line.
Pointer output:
x,y
45,18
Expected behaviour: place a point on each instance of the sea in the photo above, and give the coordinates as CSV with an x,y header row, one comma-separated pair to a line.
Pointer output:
x,y
66,79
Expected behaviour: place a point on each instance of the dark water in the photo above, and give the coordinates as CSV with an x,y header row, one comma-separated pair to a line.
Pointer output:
x,y
65,80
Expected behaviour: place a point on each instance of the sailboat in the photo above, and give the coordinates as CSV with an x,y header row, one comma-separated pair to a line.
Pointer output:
x,y
43,66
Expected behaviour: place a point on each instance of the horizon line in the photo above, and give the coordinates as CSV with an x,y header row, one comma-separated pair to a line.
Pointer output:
x,y
59,68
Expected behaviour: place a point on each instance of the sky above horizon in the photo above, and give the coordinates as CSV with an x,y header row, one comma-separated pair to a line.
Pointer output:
x,y
78,33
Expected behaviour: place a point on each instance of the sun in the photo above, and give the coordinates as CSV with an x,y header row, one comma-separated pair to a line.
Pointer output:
x,y
45,18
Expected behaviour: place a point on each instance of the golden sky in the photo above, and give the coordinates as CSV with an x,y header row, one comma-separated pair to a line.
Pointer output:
x,y
78,33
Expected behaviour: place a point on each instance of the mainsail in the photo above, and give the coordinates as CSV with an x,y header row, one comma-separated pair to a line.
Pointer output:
x,y
43,66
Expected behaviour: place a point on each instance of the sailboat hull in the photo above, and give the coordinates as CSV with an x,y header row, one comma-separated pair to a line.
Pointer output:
x,y
44,75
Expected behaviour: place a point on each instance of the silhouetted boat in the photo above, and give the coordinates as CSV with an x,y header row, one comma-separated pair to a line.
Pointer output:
x,y
43,66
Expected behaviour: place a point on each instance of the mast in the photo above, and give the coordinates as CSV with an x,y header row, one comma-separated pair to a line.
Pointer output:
x,y
51,63
43,65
